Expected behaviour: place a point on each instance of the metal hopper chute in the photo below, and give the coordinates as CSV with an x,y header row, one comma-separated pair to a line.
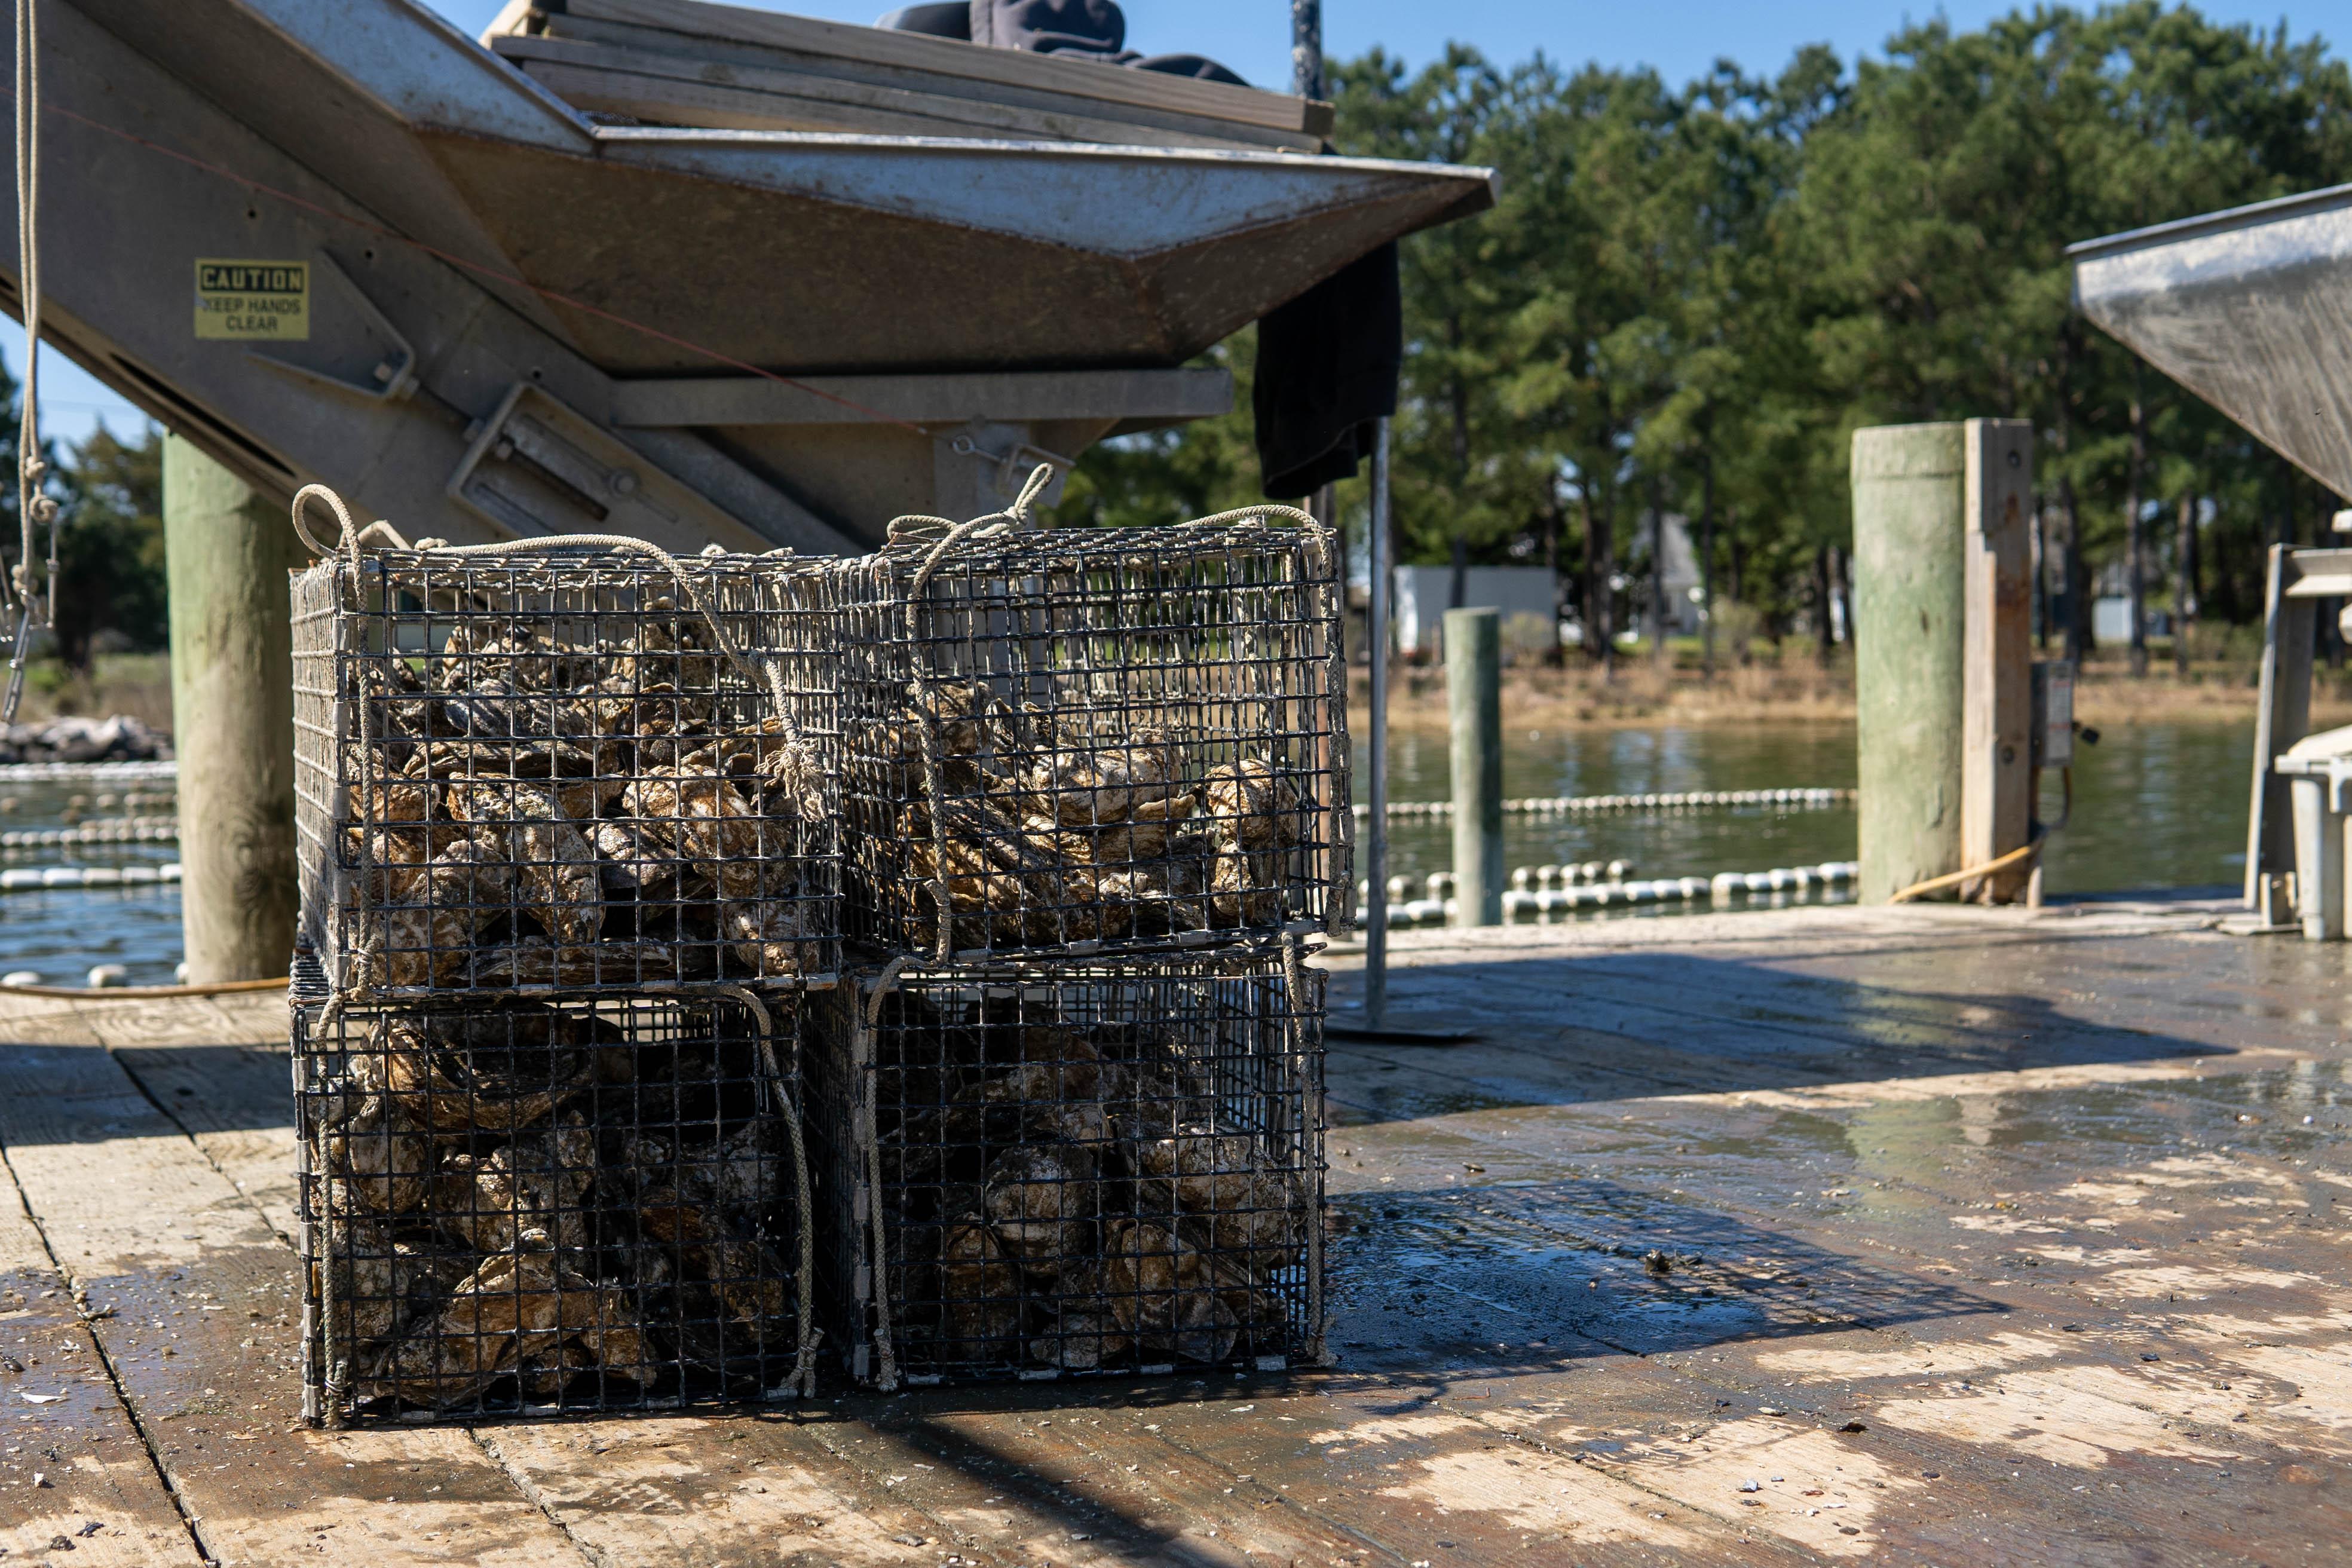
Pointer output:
x,y
2251,310
522,317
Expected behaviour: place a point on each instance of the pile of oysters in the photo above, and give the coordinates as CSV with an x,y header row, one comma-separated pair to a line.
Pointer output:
x,y
1078,1198
525,1202
1066,823
576,801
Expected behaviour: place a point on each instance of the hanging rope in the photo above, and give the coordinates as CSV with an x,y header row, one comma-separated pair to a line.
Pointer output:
x,y
35,600
1306,1042
868,1021
804,1378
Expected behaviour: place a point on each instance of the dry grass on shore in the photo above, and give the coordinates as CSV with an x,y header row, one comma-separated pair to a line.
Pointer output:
x,y
1802,690
1790,691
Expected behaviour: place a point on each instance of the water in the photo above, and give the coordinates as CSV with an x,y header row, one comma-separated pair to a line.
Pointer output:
x,y
62,933
2156,805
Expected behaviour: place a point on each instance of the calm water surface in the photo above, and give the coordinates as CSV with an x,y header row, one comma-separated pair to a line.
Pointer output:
x,y
2154,805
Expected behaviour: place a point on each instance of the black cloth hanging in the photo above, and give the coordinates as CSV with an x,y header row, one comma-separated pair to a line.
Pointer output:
x,y
1327,370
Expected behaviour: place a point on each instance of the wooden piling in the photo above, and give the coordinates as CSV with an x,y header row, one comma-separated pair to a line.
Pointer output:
x,y
227,551
1910,613
1473,695
1997,683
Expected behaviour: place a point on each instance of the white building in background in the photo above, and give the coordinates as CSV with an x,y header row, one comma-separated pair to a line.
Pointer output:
x,y
1424,595
1682,575
2110,621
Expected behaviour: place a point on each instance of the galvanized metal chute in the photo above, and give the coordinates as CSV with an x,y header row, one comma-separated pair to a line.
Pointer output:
x,y
523,320
2251,309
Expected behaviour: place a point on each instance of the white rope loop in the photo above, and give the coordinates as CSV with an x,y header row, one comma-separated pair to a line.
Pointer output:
x,y
767,675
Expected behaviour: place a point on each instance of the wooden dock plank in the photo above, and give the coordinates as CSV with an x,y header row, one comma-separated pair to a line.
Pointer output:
x,y
2044,1445
619,1485
71,1464
709,1492
235,1102
2015,1158
203,1300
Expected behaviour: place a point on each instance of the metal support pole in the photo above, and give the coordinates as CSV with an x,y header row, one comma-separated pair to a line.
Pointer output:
x,y
1376,738
1474,696
226,554
1306,47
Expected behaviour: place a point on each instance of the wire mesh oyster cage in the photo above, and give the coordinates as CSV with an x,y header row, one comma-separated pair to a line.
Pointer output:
x,y
514,1205
1095,740
564,769
1082,1166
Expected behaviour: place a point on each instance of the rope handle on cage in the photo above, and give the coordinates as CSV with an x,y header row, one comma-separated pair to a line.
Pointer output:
x,y
803,1379
868,1016
914,527
382,535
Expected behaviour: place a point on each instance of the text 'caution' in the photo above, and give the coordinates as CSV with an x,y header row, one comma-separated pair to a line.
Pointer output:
x,y
253,298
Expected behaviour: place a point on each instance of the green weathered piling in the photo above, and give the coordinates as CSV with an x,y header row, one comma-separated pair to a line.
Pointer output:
x,y
1473,695
1910,605
227,549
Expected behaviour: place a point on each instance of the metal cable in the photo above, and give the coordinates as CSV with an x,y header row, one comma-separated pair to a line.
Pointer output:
x,y
1294,980
803,1379
869,1019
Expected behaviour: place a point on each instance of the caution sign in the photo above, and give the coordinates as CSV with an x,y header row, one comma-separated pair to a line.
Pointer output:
x,y
253,299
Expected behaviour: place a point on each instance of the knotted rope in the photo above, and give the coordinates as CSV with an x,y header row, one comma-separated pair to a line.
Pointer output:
x,y
33,509
1305,1047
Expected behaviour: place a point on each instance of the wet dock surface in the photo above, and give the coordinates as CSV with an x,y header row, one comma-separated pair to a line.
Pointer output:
x,y
1917,1237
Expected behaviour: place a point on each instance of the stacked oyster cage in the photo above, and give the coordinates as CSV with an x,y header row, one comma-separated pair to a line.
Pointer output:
x,y
1094,796
569,856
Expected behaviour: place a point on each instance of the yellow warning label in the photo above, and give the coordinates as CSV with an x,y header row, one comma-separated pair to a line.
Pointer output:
x,y
253,299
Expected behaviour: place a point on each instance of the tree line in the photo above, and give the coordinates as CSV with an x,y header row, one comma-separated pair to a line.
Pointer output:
x,y
110,586
1688,297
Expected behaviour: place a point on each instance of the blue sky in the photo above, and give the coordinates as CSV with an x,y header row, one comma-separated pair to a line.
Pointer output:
x,y
1681,38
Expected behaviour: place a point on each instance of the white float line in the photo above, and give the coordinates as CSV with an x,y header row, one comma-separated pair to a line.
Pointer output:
x,y
164,832
1721,887
28,879
1588,805
44,772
